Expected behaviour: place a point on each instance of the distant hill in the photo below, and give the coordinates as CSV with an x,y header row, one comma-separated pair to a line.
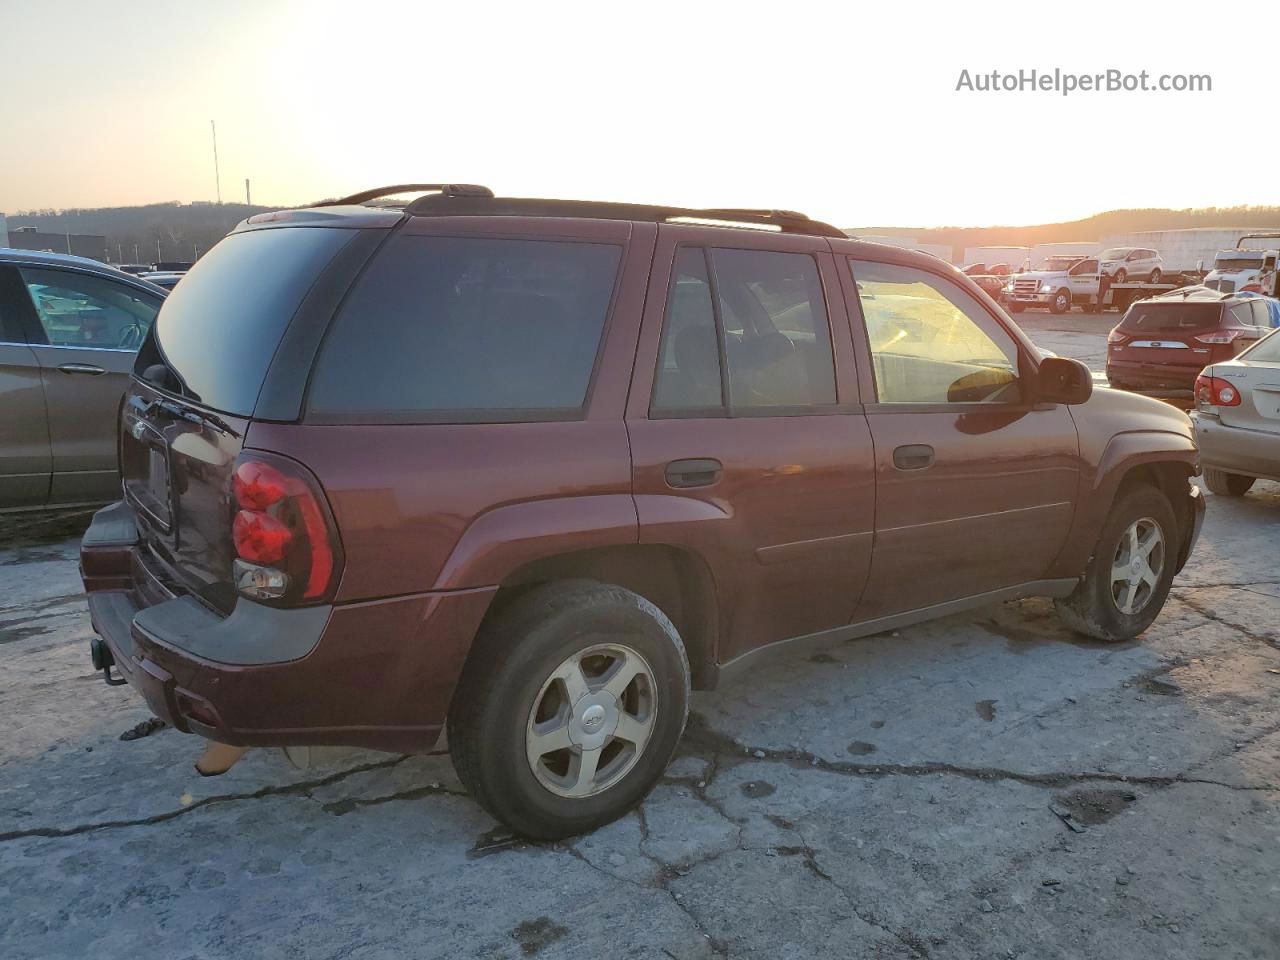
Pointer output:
x,y
1091,228
182,229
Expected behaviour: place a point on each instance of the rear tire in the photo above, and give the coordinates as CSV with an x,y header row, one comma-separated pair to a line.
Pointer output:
x,y
542,674
1225,484
1129,574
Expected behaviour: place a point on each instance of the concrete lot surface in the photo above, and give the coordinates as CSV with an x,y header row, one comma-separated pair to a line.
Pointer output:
x,y
988,785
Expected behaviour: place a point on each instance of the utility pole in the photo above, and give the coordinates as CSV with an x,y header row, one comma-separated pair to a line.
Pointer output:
x,y
119,255
247,201
157,249
68,241
217,177
135,253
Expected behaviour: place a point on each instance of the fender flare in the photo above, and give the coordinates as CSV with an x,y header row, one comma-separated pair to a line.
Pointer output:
x,y
1098,489
506,538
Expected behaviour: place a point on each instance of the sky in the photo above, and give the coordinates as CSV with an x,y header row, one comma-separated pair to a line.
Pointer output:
x,y
848,112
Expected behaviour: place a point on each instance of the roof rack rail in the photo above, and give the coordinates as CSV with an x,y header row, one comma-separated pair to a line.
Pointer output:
x,y
445,204
443,189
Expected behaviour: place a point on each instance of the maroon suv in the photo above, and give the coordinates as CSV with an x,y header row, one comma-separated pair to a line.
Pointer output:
x,y
530,469
1163,343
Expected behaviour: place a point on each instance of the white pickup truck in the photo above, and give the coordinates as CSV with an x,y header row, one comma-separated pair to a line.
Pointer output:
x,y
1068,280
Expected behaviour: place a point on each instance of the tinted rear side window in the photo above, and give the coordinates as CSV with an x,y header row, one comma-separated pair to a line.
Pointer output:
x,y
220,327
454,329
1171,317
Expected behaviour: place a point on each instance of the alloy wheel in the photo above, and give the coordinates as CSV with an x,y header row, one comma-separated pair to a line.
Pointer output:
x,y
1135,570
591,720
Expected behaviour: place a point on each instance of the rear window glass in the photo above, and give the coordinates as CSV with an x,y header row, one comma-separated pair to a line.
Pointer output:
x,y
453,329
1171,317
1266,351
220,327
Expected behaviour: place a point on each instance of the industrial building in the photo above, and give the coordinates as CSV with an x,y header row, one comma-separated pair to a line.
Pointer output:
x,y
29,238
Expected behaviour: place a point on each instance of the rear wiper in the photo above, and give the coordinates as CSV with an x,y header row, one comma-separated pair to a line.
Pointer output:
x,y
192,415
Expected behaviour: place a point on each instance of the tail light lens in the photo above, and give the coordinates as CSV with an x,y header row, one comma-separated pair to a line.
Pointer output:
x,y
1220,336
1115,336
1251,288
1216,392
286,542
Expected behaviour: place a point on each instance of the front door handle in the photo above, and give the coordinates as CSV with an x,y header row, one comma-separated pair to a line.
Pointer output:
x,y
697,472
89,368
914,456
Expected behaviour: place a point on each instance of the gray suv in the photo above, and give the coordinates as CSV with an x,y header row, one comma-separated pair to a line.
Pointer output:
x,y
69,330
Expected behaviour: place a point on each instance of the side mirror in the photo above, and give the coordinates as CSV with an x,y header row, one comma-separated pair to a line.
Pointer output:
x,y
1062,380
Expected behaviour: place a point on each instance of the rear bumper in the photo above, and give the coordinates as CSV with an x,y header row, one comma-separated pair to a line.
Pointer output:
x,y
378,674
1254,453
1154,376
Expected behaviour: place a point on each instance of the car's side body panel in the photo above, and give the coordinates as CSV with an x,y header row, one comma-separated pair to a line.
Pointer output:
x,y
786,531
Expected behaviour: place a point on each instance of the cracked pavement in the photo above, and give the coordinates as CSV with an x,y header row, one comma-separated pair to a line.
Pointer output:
x,y
988,785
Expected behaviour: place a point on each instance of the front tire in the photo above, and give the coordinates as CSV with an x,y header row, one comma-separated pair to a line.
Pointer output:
x,y
1014,307
1225,484
1061,302
1128,577
1155,276
1121,275
570,707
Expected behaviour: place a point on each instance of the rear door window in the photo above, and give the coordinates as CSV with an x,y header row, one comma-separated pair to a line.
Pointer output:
x,y
467,329
746,331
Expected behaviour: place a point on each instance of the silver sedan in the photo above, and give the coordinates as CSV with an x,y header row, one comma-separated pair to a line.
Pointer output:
x,y
1237,419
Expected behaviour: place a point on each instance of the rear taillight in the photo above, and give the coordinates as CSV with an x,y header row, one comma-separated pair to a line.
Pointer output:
x,y
1115,336
1216,392
1220,336
285,540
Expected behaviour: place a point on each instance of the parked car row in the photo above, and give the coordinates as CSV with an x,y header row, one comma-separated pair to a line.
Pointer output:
x,y
528,470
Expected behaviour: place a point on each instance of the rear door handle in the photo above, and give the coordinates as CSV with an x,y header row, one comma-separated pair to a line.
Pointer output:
x,y
914,456
697,472
88,368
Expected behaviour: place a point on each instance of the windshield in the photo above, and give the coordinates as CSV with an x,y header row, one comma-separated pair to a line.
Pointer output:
x,y
1238,263
1060,263
1171,317
1116,253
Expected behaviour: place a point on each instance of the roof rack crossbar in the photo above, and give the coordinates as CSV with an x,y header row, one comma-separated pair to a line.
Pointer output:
x,y
443,189
443,205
